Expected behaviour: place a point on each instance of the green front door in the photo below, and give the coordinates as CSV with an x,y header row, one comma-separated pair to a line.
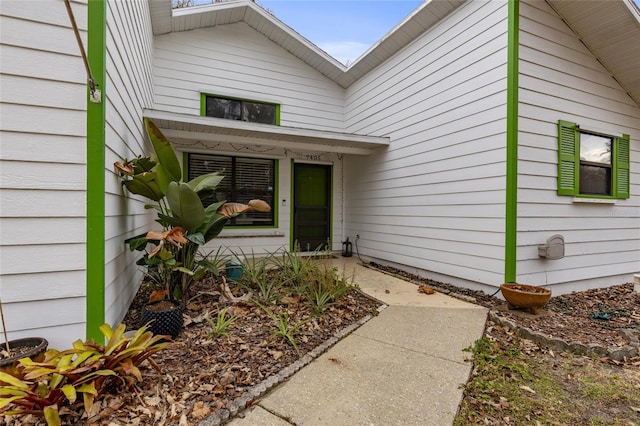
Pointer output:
x,y
311,206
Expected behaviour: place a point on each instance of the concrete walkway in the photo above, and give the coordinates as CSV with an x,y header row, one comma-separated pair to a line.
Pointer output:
x,y
403,367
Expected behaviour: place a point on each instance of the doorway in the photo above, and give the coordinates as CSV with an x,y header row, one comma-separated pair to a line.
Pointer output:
x,y
311,206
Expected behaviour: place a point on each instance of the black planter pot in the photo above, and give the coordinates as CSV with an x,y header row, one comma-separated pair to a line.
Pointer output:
x,y
37,345
165,322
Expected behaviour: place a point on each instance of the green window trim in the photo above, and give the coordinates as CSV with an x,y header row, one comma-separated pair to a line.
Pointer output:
x,y
569,163
203,104
276,180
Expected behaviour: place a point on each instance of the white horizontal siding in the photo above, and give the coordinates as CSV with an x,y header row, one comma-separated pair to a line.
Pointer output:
x,y
434,200
37,315
234,60
560,79
58,257
19,203
28,287
130,81
43,179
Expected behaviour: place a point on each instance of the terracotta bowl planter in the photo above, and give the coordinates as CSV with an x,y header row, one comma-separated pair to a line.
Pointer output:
x,y
525,296
32,347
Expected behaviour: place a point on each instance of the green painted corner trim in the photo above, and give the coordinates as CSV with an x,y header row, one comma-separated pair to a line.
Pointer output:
x,y
276,193
291,210
331,181
203,104
95,249
185,166
511,204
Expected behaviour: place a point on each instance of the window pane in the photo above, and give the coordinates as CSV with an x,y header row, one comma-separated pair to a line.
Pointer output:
x,y
595,180
223,108
595,149
258,113
254,180
245,179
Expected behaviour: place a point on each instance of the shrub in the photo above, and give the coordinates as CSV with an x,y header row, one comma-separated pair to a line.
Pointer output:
x,y
87,370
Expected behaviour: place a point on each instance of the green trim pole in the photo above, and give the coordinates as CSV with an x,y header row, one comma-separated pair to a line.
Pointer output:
x,y
511,217
95,252
292,195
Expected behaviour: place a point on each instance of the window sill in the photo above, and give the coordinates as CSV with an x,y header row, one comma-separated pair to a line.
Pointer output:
x,y
595,200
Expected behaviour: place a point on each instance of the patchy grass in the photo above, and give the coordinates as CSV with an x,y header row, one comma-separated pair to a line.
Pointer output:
x,y
516,382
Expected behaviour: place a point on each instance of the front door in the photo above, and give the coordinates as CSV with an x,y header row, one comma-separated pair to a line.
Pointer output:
x,y
311,206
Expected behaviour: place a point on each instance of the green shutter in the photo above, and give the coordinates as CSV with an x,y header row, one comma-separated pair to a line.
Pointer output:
x,y
621,167
568,158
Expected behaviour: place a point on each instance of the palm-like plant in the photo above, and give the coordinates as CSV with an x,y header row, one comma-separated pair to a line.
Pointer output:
x,y
187,223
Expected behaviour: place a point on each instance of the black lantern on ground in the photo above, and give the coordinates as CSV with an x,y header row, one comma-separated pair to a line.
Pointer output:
x,y
347,248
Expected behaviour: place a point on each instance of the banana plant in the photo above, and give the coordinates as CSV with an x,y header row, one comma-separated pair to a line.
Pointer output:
x,y
187,223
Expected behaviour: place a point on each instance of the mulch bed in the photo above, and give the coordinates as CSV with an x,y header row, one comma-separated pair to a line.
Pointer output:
x,y
202,374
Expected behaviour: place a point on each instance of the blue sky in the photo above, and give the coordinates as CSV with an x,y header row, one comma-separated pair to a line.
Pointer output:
x,y
343,28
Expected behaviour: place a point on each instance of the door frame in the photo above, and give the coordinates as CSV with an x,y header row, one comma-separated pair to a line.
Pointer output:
x,y
292,203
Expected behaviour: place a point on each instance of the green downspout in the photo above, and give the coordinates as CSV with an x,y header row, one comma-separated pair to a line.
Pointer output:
x,y
511,217
95,251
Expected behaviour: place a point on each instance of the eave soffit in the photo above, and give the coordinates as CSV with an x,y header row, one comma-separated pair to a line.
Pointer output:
x,y
610,29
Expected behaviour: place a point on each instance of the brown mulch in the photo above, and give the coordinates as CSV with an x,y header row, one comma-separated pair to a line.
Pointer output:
x,y
202,374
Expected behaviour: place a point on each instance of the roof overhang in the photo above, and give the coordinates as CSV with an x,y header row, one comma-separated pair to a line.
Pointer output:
x,y
180,128
611,31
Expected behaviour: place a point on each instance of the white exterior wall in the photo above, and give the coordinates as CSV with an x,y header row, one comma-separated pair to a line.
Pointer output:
x,y
129,90
42,184
234,60
560,79
269,240
434,200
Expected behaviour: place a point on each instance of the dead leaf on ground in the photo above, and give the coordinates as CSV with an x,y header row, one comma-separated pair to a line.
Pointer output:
x,y
426,290
200,410
527,388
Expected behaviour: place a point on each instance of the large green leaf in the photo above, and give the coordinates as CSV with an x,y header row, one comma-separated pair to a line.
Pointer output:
x,y
205,182
213,222
142,164
215,226
145,184
164,151
164,178
185,205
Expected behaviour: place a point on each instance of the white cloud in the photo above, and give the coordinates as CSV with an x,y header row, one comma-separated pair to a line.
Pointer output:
x,y
344,51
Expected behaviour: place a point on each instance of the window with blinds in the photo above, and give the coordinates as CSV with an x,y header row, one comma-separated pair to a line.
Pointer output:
x,y
245,179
